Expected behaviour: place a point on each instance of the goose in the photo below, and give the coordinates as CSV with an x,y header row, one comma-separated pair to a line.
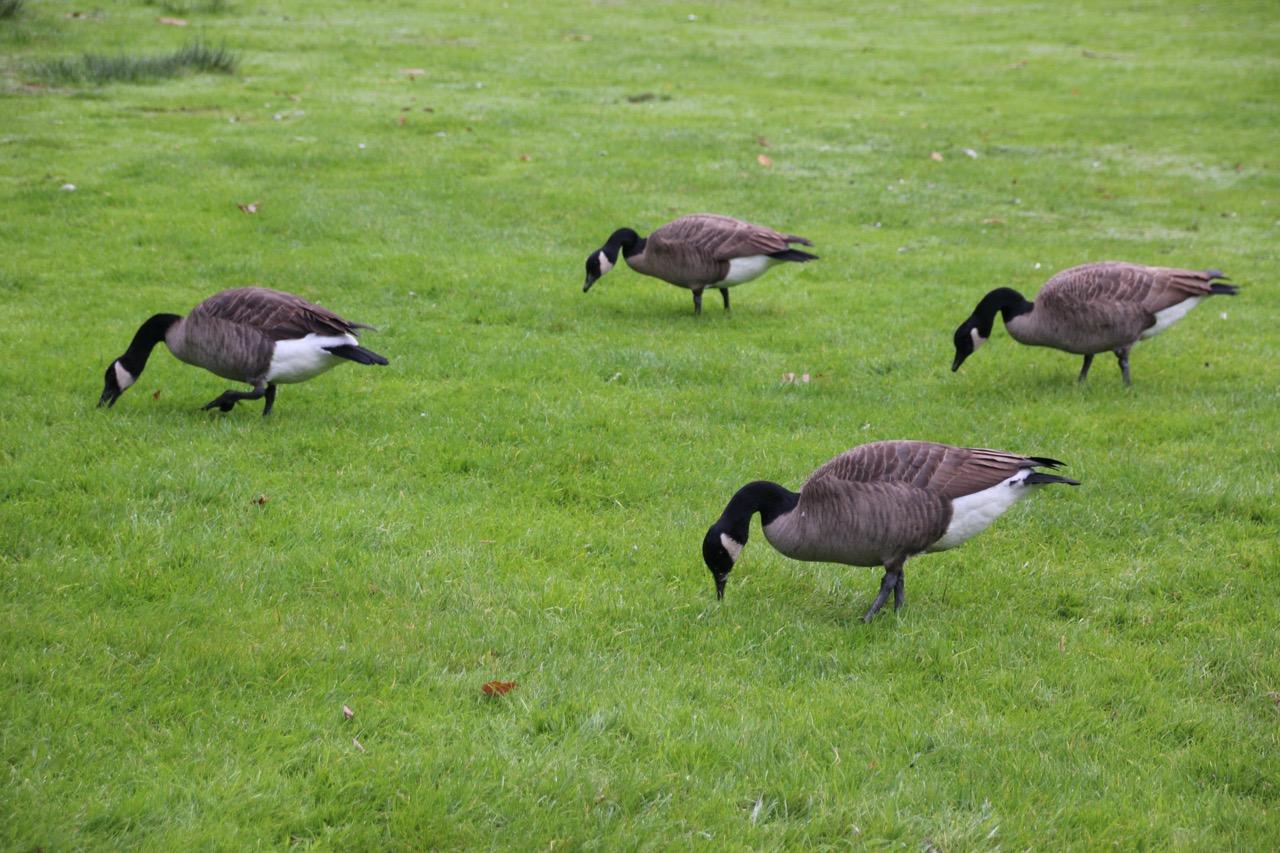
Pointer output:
x,y
878,505
699,251
249,334
1093,308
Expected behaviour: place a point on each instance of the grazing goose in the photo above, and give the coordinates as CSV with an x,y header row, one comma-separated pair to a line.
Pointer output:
x,y
697,252
250,334
878,504
1093,308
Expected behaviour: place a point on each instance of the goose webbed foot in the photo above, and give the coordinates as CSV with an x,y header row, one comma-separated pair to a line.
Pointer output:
x,y
226,401
891,582
1122,355
1084,369
724,293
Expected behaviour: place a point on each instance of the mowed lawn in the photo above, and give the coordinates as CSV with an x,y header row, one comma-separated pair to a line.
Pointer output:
x,y
190,599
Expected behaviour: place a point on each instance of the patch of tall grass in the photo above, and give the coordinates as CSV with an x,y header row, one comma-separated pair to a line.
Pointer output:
x,y
96,68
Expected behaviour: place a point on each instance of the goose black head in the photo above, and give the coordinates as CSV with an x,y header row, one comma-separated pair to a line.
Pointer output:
x,y
720,551
603,259
126,369
116,382
973,333
967,339
599,262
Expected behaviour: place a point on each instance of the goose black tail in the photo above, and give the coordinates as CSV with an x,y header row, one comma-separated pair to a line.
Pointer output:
x,y
793,255
1224,289
358,354
1035,478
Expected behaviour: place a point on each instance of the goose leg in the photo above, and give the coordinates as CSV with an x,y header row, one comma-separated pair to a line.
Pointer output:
x,y
1123,355
899,594
724,292
697,301
271,399
892,576
226,401
1084,369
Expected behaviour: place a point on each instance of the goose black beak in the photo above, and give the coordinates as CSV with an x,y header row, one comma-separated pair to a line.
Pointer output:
x,y
955,365
591,279
720,587
108,398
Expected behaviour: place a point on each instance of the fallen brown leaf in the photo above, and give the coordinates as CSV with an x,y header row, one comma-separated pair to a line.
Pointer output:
x,y
400,121
347,713
156,395
359,745
172,22
413,72
525,158
251,207
936,155
762,142
763,160
260,500
497,688
993,220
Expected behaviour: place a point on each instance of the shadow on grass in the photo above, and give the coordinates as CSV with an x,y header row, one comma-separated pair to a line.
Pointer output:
x,y
97,68
10,8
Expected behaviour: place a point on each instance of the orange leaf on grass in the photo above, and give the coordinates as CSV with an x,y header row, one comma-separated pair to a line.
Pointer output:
x,y
763,160
497,688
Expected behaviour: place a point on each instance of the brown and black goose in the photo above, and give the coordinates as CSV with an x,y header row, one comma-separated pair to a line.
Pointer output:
x,y
699,251
877,505
1103,307
250,334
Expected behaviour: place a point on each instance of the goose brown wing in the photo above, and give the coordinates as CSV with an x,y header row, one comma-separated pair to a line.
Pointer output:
x,y
939,469
722,238
278,315
1115,283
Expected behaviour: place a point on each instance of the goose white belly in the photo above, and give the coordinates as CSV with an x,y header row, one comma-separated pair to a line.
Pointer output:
x,y
1171,315
300,359
972,514
745,269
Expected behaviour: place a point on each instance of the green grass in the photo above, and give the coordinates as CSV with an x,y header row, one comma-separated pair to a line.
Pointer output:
x,y
189,600
99,68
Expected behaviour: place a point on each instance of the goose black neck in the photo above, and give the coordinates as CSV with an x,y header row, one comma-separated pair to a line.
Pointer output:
x,y
1006,301
625,239
768,499
144,340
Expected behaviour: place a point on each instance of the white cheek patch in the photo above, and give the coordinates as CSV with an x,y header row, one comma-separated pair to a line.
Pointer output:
x,y
731,545
978,340
123,377
605,263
